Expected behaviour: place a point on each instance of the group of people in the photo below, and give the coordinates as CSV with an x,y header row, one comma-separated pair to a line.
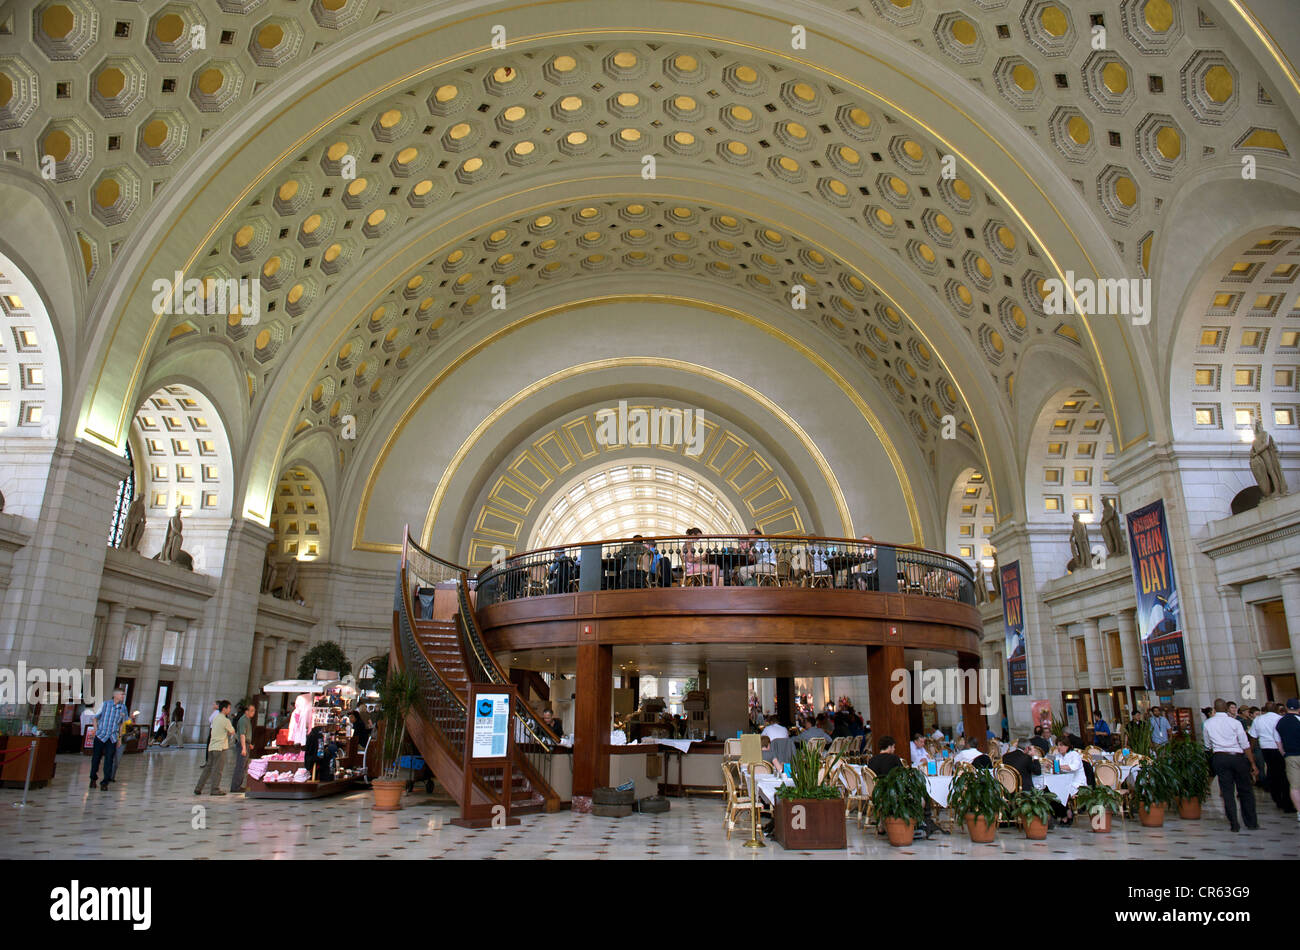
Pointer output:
x,y
1232,740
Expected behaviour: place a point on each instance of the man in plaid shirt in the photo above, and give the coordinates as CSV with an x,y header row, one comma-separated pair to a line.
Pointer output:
x,y
108,729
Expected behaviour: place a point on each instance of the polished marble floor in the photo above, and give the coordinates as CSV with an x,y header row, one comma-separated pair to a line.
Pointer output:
x,y
151,813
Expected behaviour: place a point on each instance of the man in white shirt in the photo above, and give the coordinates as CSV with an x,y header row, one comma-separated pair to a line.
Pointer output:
x,y
774,730
969,754
1264,730
937,735
1233,763
919,755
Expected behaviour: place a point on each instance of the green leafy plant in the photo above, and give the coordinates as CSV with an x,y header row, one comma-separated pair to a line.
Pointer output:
x,y
1059,728
899,793
977,792
805,771
1155,783
1189,768
326,655
1031,803
1139,737
1089,797
397,695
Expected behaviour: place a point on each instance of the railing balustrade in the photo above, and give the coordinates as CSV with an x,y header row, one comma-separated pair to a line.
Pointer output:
x,y
728,561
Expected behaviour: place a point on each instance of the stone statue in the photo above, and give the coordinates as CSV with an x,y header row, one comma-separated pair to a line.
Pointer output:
x,y
268,571
2,502
996,574
1264,463
133,531
1080,547
981,584
1111,531
171,549
288,589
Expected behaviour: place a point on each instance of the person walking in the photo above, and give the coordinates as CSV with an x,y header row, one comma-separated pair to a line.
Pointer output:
x,y
243,747
108,731
1263,728
1159,728
218,743
1233,764
216,711
175,729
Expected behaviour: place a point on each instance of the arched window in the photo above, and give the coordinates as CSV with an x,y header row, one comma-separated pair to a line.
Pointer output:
x,y
125,492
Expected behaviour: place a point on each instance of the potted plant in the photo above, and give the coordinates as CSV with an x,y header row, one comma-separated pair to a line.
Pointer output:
x,y
898,800
1098,802
1153,787
1139,738
979,796
398,694
1191,775
1033,806
810,813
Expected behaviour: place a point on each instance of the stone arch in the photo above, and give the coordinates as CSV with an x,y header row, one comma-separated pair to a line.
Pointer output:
x,y
970,518
1070,447
300,515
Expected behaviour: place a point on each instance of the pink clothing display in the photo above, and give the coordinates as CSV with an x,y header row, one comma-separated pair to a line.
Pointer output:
x,y
300,722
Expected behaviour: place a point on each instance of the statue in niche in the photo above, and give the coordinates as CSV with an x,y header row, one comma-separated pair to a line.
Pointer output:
x,y
1080,547
1264,463
288,589
2,502
268,571
133,531
996,575
1111,531
171,549
981,584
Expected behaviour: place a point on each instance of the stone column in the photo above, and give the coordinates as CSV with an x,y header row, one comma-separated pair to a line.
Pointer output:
x,y
232,613
48,615
187,688
728,697
1129,646
256,664
1291,604
111,656
1097,678
279,659
150,662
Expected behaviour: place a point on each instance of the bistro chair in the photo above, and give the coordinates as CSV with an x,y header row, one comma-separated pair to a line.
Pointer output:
x,y
852,791
737,801
766,576
819,579
1009,779
697,579
764,766
1107,773
946,767
866,783
536,583
932,584
818,743
914,577
731,749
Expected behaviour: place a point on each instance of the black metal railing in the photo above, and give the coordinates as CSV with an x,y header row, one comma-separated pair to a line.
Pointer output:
x,y
441,707
728,561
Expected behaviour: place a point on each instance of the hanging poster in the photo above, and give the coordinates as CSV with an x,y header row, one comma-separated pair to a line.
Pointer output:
x,y
1014,619
1159,616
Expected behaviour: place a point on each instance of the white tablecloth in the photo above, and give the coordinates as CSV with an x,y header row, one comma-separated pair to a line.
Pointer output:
x,y
1063,786
681,745
937,787
768,784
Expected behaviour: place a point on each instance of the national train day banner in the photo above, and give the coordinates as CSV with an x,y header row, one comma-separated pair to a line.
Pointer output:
x,y
1159,617
1013,617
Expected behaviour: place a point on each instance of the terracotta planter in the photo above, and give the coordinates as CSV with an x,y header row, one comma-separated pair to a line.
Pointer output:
x,y
900,831
1153,817
1189,808
819,826
980,830
1036,829
387,794
1102,826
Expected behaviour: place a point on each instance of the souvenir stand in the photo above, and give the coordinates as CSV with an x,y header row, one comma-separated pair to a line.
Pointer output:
x,y
282,771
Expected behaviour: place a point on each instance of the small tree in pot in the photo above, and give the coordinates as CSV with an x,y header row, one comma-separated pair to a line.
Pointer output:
x,y
980,798
898,800
1153,787
1098,802
1033,806
810,813
398,694
1191,775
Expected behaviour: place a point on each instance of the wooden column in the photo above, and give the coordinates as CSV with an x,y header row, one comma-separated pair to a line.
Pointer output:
x,y
974,721
888,718
593,709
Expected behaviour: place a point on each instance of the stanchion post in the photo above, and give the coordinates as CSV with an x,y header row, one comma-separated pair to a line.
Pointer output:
x,y
31,760
755,840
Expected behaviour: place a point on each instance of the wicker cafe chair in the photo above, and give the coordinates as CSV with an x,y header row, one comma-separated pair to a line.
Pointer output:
x,y
946,767
1009,779
536,582
1107,773
852,784
761,767
738,800
866,783
697,579
731,749
914,575
819,744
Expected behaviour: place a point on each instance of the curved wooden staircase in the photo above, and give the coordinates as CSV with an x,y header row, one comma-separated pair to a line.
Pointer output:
x,y
443,646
